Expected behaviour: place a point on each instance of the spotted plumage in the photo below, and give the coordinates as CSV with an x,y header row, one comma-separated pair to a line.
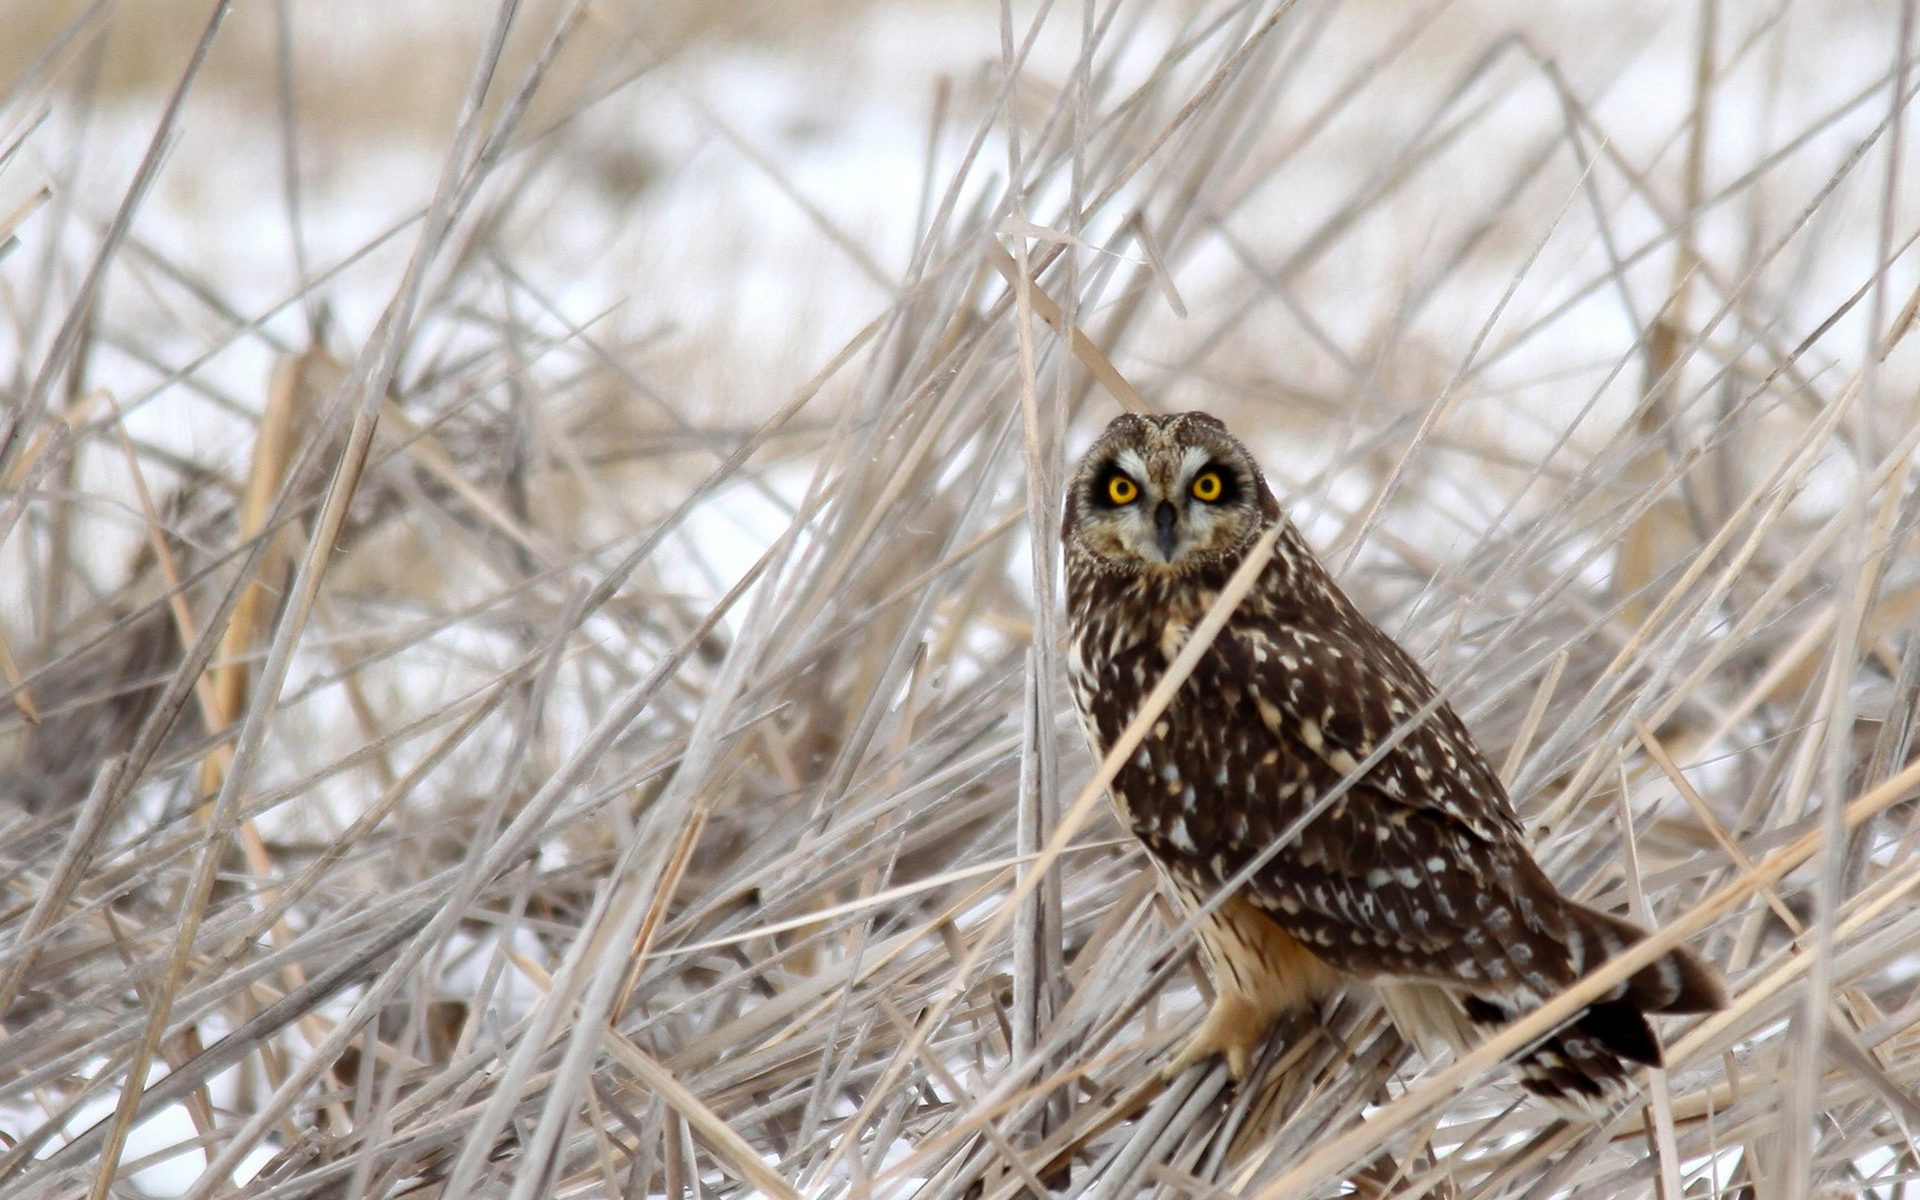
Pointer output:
x,y
1417,879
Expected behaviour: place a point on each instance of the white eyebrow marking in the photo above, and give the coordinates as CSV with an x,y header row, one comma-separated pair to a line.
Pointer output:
x,y
1191,460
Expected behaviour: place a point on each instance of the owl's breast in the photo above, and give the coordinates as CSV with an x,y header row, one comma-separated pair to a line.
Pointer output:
x,y
1209,784
1170,775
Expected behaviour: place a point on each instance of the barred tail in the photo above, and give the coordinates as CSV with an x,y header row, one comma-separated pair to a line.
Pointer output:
x,y
1679,982
1585,1067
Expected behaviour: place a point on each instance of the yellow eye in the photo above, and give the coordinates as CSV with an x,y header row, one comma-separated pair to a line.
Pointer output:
x,y
1122,490
1207,486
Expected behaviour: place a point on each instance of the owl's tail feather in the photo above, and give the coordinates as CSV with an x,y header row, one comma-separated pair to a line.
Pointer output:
x,y
1581,1069
1584,1067
1678,982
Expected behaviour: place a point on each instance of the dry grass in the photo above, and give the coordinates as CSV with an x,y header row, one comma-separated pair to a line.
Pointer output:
x,y
530,748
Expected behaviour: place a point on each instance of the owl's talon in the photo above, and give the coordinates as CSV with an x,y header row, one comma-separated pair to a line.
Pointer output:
x,y
1233,1029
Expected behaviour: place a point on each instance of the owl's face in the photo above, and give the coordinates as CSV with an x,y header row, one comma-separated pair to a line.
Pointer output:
x,y
1166,496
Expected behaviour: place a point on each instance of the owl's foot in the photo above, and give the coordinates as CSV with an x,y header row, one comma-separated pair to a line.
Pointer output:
x,y
1234,1028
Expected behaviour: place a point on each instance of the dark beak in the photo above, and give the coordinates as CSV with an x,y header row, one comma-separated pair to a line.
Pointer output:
x,y
1164,519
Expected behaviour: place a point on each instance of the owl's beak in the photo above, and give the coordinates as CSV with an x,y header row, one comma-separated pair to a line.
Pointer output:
x,y
1164,519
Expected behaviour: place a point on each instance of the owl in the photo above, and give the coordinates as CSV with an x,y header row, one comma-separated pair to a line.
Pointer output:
x,y
1417,880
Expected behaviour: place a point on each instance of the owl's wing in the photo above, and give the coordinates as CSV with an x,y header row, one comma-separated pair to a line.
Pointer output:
x,y
1418,871
1337,694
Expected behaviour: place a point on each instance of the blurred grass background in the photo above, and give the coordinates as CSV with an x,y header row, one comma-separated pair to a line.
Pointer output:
x,y
528,578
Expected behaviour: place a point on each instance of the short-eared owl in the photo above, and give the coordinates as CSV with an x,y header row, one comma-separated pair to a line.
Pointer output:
x,y
1417,880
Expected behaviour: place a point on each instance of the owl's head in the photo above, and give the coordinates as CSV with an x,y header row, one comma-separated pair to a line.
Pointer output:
x,y
1166,495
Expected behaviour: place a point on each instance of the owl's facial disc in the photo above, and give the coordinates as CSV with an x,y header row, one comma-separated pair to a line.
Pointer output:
x,y
1167,512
